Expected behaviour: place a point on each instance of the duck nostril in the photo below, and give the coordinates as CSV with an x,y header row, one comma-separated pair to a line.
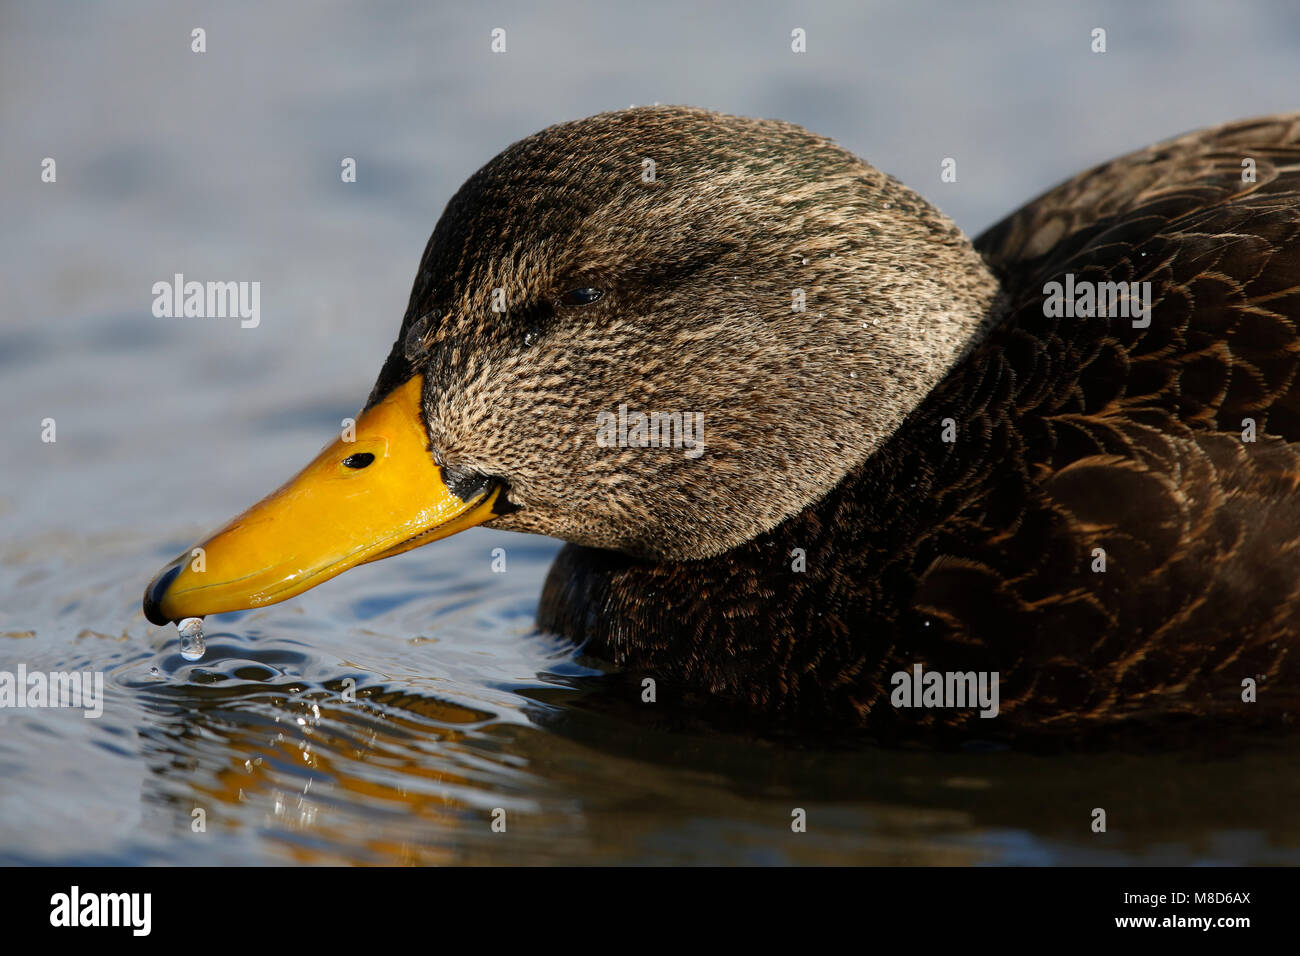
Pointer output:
x,y
359,460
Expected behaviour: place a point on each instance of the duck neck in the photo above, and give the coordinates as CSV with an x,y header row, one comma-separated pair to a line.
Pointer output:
x,y
806,621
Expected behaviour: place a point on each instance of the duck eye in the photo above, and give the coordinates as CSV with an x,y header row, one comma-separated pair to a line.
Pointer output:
x,y
580,296
359,460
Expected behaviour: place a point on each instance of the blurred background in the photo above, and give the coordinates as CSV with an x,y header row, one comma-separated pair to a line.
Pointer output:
x,y
225,165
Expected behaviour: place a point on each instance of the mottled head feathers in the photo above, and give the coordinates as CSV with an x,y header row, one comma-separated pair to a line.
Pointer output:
x,y
705,234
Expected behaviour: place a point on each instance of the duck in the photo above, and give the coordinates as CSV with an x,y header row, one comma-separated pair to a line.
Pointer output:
x,y
812,451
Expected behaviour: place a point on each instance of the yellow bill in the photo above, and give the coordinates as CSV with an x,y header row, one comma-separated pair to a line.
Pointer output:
x,y
358,501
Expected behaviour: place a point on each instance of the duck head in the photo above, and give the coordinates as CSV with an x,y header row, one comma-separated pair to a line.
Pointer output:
x,y
796,303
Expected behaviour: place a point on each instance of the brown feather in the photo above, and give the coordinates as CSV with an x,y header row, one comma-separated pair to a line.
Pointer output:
x,y
1071,434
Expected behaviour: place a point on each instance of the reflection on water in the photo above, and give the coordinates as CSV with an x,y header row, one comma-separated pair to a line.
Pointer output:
x,y
390,717
387,716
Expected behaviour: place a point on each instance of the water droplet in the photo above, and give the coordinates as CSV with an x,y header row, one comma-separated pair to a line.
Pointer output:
x,y
192,644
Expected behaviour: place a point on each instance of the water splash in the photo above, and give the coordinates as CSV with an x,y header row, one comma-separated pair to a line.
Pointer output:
x,y
192,643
